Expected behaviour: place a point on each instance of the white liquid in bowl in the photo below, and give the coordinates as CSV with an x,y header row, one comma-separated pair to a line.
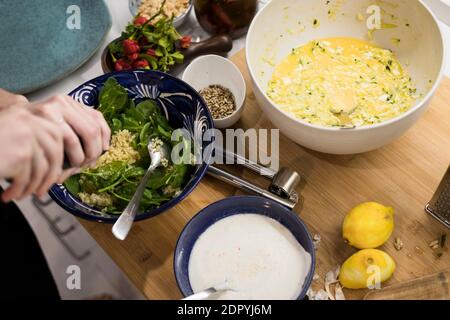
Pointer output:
x,y
259,258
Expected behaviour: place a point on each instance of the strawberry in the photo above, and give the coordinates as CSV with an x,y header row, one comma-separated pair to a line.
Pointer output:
x,y
122,64
185,42
139,21
133,56
151,52
141,64
130,47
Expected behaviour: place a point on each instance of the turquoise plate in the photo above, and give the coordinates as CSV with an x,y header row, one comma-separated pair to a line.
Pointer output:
x,y
40,42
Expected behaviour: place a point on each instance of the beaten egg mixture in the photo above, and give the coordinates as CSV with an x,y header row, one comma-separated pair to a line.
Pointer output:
x,y
342,82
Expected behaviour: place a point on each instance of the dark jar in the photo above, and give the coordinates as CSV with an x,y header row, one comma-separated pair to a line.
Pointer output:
x,y
225,16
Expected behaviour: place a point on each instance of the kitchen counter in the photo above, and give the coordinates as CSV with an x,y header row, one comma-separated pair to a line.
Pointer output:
x,y
397,175
142,258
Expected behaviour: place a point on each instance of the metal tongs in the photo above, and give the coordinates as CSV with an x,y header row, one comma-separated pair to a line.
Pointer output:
x,y
280,190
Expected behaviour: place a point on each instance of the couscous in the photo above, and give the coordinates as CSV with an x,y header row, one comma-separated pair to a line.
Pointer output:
x,y
175,8
121,149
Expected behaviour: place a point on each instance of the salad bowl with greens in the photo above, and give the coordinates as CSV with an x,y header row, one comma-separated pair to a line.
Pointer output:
x,y
139,106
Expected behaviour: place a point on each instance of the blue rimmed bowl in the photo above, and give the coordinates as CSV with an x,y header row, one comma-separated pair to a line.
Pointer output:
x,y
182,106
229,207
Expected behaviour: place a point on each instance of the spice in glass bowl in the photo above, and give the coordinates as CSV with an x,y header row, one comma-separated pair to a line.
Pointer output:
x,y
220,101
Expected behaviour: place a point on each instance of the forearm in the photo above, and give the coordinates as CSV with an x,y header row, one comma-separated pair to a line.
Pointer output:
x,y
8,99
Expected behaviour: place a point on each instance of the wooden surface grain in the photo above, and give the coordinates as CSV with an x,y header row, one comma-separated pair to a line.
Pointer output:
x,y
430,287
404,175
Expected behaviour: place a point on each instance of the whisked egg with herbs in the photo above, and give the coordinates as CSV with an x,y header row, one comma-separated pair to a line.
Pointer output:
x,y
342,82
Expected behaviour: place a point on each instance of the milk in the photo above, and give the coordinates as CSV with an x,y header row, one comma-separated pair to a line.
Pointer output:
x,y
258,257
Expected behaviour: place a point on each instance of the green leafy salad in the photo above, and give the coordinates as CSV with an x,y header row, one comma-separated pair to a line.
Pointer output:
x,y
110,185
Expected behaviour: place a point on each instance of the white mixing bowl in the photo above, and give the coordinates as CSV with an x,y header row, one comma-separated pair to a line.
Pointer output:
x,y
285,24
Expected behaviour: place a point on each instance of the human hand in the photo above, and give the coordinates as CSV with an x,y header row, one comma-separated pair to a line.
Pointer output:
x,y
32,153
84,130
35,137
8,99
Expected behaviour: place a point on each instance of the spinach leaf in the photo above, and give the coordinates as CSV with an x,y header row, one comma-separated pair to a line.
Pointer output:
x,y
113,99
131,124
148,108
153,199
134,172
158,179
116,125
178,176
73,184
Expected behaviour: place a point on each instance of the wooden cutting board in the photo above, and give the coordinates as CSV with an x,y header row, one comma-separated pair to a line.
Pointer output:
x,y
404,175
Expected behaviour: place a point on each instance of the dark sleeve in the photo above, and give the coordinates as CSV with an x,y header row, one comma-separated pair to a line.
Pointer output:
x,y
24,270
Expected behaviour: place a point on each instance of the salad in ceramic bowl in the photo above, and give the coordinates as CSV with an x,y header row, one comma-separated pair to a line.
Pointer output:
x,y
139,106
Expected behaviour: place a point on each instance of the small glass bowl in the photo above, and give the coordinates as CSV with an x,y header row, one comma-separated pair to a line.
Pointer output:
x,y
177,22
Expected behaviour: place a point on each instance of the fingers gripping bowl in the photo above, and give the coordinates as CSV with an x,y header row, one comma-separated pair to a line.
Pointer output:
x,y
408,28
176,101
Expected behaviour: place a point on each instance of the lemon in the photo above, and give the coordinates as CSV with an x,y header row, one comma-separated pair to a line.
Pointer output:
x,y
366,268
368,225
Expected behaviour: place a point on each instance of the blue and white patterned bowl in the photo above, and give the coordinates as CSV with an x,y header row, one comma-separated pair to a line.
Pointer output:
x,y
181,104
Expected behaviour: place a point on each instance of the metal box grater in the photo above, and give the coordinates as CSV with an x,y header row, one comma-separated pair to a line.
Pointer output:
x,y
439,206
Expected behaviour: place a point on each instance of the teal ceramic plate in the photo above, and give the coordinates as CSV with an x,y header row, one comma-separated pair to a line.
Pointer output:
x,y
40,42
